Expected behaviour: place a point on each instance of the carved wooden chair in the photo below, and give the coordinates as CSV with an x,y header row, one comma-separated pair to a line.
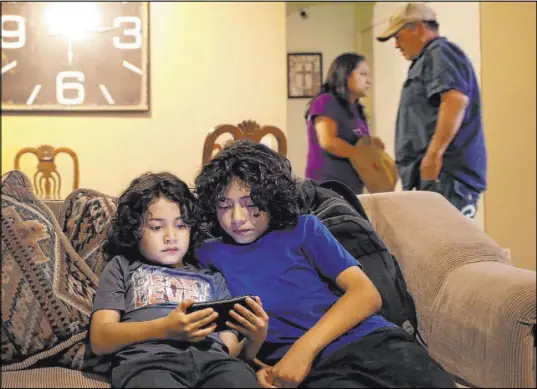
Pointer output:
x,y
47,180
247,129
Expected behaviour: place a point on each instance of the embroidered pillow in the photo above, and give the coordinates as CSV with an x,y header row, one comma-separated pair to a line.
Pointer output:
x,y
47,288
85,218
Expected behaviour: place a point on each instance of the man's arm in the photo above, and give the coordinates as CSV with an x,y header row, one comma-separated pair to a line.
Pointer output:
x,y
450,115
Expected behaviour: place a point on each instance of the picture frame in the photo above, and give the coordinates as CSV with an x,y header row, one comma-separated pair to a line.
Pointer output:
x,y
304,74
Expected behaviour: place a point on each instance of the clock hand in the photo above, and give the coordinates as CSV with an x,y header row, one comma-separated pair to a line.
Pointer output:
x,y
70,52
93,29
102,29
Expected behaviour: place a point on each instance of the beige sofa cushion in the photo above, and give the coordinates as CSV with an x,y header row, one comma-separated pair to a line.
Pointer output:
x,y
52,377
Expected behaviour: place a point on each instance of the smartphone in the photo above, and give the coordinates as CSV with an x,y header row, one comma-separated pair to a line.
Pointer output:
x,y
222,307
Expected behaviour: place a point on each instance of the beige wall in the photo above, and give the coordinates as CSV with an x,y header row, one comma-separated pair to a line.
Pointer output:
x,y
335,37
211,63
508,78
364,12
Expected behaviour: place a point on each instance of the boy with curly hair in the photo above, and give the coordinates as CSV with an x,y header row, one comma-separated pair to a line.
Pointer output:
x,y
324,330
139,312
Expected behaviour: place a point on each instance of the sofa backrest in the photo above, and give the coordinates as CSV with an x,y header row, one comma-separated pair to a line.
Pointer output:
x,y
55,206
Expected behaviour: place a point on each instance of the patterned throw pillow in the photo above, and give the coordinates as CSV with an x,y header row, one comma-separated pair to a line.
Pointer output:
x,y
47,288
85,217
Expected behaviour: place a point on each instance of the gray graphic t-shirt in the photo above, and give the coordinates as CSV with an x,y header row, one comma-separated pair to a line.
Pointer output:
x,y
142,292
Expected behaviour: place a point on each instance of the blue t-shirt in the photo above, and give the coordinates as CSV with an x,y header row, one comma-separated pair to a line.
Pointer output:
x,y
351,126
293,272
441,66
143,291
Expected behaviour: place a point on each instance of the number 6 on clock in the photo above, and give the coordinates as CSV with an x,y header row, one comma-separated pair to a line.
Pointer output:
x,y
62,86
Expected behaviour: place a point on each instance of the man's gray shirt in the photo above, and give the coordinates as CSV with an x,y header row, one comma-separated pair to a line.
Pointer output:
x,y
442,66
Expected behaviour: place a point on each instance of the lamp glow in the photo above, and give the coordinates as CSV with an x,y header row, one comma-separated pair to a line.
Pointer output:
x,y
72,19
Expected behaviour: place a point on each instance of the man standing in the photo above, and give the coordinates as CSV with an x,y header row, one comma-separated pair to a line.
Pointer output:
x,y
439,140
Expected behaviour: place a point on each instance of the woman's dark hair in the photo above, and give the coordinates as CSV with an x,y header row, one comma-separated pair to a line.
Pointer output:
x,y
127,226
337,81
267,174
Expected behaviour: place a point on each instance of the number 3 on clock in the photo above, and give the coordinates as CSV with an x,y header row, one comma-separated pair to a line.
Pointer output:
x,y
75,56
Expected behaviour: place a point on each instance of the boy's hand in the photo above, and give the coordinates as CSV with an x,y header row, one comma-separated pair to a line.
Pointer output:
x,y
253,325
265,378
187,327
293,368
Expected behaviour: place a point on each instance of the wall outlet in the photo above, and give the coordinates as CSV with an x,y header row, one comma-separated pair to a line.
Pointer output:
x,y
507,253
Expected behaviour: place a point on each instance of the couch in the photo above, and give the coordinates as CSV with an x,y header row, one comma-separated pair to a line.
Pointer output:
x,y
476,311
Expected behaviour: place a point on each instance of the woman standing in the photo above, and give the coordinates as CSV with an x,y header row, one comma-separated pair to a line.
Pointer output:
x,y
336,121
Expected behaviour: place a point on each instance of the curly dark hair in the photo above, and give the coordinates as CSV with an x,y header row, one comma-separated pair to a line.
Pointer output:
x,y
126,228
267,174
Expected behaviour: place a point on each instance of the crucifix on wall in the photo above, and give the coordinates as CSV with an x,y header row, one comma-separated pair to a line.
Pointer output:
x,y
304,76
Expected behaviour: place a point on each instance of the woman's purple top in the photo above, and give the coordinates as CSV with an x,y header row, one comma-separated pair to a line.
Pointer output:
x,y
351,126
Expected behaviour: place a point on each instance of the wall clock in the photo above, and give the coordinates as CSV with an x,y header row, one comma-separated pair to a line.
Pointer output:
x,y
86,56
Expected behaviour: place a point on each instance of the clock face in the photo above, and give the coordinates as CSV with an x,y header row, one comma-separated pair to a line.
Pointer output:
x,y
85,56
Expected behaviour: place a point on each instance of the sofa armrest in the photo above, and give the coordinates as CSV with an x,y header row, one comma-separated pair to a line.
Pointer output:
x,y
475,311
482,325
429,238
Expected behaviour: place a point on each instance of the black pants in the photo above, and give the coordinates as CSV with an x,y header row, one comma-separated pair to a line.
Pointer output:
x,y
189,369
387,358
463,197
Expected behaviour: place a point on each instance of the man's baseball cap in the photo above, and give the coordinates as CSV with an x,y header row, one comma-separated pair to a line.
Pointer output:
x,y
411,12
